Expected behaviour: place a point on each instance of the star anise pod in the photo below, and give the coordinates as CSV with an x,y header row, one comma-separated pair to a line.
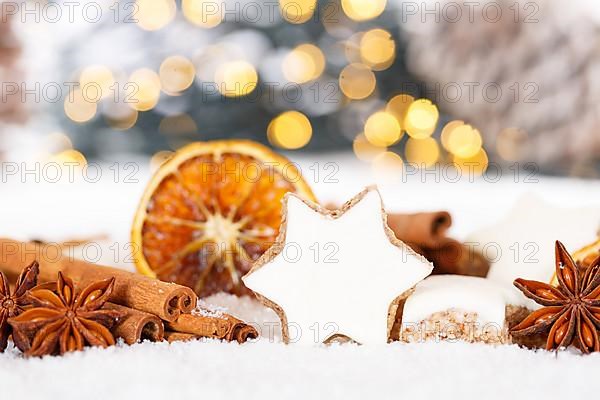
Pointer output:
x,y
12,304
572,310
62,320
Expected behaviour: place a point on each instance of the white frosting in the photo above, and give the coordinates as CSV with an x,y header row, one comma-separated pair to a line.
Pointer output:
x,y
348,285
466,293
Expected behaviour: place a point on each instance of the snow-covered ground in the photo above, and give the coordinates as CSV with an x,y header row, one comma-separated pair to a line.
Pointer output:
x,y
213,370
268,369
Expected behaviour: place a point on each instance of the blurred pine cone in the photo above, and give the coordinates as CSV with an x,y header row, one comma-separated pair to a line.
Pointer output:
x,y
11,106
545,57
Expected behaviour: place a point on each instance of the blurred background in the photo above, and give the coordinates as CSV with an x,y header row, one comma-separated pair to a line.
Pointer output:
x,y
505,82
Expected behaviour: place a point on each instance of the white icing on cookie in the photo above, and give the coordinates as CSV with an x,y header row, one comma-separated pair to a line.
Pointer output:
x,y
337,274
470,294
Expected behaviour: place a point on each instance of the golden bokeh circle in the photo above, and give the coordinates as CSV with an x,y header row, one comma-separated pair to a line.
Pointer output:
x,y
124,121
363,10
464,141
304,63
377,49
203,13
398,106
176,74
475,165
236,78
365,150
152,15
297,11
69,156
99,75
78,108
421,119
143,89
448,128
357,81
290,130
422,152
382,129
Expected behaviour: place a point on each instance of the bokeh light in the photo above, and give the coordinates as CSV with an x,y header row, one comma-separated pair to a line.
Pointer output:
x,y
398,106
144,89
475,165
297,11
377,49
357,81
449,127
152,15
236,78
122,120
176,74
290,130
57,141
363,10
69,156
203,13
79,108
387,165
119,115
159,159
464,141
99,76
511,144
421,119
422,152
304,63
365,150
382,129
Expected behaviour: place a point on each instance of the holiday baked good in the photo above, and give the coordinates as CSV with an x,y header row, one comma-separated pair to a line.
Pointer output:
x,y
452,307
335,273
522,244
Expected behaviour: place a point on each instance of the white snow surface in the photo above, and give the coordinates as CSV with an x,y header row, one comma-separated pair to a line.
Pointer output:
x,y
267,369
264,370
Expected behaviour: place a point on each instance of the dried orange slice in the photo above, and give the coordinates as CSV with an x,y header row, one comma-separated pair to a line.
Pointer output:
x,y
584,257
210,211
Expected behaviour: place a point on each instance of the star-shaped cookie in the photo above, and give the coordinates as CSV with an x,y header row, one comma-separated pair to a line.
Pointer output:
x,y
522,244
335,273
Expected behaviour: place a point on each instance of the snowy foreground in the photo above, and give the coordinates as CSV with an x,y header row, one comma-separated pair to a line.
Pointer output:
x,y
272,370
268,369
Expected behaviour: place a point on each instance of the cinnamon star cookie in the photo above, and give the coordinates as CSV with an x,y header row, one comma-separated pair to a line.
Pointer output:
x,y
335,273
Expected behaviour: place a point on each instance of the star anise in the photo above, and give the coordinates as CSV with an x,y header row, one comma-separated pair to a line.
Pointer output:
x,y
12,304
572,310
62,320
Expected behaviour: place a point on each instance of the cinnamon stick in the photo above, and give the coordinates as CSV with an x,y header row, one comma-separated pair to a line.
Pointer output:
x,y
224,327
165,300
452,257
136,325
425,233
426,229
171,336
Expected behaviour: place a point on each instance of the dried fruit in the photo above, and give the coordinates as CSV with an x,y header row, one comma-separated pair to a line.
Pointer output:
x,y
210,211
583,257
